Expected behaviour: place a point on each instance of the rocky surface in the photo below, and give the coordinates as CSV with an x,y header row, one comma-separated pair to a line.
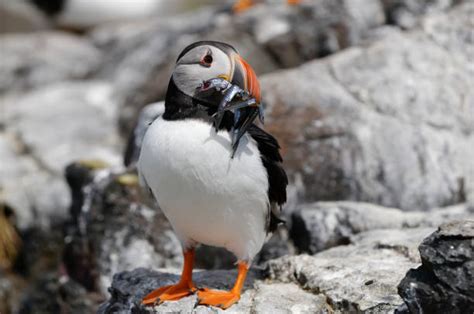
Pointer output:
x,y
128,288
110,227
56,134
37,196
56,295
401,138
319,226
359,277
405,13
19,16
45,130
37,59
445,280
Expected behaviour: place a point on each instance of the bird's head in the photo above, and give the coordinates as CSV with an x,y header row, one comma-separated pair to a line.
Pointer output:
x,y
205,60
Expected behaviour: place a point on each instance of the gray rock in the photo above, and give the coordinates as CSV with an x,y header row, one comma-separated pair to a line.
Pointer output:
x,y
319,226
128,288
64,122
294,34
41,58
404,13
51,294
356,278
445,280
111,226
38,197
403,241
19,16
386,123
287,298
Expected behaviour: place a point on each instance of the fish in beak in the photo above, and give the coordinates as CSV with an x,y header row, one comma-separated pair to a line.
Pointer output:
x,y
240,95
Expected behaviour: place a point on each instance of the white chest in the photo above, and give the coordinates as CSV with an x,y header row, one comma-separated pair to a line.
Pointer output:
x,y
207,196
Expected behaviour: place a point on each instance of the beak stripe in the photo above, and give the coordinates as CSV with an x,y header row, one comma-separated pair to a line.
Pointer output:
x,y
251,81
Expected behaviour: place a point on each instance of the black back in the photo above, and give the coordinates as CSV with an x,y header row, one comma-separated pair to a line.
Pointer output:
x,y
277,178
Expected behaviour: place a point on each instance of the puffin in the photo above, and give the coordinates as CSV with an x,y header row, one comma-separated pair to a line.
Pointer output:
x,y
216,175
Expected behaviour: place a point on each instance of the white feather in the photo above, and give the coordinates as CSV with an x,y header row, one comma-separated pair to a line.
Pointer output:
x,y
208,197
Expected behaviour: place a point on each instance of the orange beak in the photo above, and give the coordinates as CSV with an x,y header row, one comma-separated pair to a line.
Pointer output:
x,y
245,77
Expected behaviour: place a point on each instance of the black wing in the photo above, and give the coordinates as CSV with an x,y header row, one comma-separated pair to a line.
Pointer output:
x,y
277,179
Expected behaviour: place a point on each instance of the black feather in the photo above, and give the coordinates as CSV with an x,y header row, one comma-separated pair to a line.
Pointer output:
x,y
277,178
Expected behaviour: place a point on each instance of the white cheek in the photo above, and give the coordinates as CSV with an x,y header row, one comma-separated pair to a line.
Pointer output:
x,y
188,77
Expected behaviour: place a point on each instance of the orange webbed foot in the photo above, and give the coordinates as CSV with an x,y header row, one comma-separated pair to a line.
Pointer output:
x,y
169,293
222,299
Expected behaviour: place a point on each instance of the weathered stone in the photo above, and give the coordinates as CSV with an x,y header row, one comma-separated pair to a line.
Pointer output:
x,y
277,246
294,34
405,13
19,16
51,294
356,278
287,298
38,197
64,122
403,241
445,280
319,226
128,289
41,58
111,227
403,137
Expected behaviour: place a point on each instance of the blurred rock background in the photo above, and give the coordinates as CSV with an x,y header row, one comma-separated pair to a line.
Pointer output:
x,y
372,101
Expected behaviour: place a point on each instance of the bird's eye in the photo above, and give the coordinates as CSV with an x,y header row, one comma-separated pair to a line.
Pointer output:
x,y
207,60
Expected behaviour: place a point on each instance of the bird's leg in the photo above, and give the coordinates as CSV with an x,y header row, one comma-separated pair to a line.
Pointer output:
x,y
225,299
183,288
